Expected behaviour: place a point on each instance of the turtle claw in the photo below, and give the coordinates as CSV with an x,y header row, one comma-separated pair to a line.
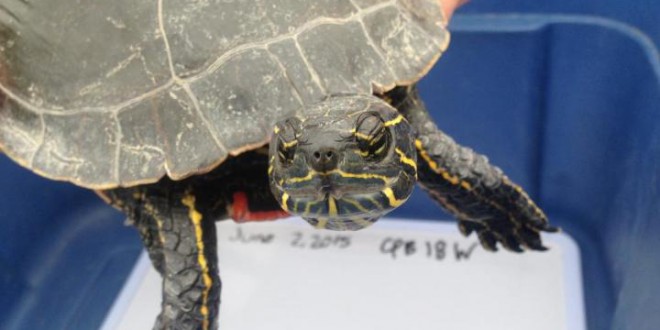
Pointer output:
x,y
488,240
550,229
511,243
531,239
467,227
545,227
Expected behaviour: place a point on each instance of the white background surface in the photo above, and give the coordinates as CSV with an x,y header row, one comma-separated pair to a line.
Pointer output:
x,y
297,282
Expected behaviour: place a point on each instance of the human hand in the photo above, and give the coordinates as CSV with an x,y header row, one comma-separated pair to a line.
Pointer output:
x,y
448,6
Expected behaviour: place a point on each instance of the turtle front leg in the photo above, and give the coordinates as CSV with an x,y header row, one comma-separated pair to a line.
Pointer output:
x,y
483,199
175,220
181,242
191,284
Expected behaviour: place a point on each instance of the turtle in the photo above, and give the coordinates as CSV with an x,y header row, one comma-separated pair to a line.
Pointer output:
x,y
182,113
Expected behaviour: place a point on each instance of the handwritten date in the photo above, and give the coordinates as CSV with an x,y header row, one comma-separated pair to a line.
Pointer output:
x,y
320,241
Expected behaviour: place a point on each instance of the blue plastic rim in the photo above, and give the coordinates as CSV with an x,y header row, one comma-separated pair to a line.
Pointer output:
x,y
567,105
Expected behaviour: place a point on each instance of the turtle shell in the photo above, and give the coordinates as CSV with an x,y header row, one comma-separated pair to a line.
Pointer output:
x,y
120,93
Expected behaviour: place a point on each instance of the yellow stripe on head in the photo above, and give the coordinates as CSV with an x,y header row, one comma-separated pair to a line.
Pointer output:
x,y
394,121
359,175
323,222
307,177
285,199
405,159
362,136
391,198
362,153
381,149
362,222
375,202
308,208
332,206
289,144
357,205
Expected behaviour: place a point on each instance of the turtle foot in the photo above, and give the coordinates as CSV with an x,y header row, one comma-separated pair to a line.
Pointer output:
x,y
512,236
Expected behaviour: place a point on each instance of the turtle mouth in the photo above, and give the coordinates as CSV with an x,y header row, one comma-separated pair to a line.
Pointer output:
x,y
327,187
336,184
336,209
339,200
348,224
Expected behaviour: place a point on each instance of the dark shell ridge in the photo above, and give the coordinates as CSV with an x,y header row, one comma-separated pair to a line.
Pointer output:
x,y
119,93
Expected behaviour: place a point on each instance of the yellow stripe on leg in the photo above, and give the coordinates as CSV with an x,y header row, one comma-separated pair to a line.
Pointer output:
x,y
196,219
151,210
453,179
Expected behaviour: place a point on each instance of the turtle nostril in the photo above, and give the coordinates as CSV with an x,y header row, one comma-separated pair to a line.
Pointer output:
x,y
324,159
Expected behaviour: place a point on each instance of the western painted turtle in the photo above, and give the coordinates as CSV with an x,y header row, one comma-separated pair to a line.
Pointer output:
x,y
182,113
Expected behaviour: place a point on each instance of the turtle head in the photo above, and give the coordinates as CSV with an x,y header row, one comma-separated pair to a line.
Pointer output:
x,y
343,163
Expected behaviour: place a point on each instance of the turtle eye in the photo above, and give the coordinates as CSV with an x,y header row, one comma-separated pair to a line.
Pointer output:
x,y
372,136
287,141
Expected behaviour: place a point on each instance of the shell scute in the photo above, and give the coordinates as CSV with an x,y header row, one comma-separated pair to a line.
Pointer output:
x,y
121,93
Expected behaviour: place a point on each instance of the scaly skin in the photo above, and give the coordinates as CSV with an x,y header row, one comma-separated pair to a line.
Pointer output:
x,y
176,221
181,244
483,199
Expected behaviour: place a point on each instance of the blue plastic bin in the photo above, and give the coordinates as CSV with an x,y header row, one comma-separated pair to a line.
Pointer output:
x,y
567,104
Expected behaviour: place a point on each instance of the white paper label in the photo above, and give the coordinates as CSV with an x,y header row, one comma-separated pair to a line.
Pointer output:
x,y
395,275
